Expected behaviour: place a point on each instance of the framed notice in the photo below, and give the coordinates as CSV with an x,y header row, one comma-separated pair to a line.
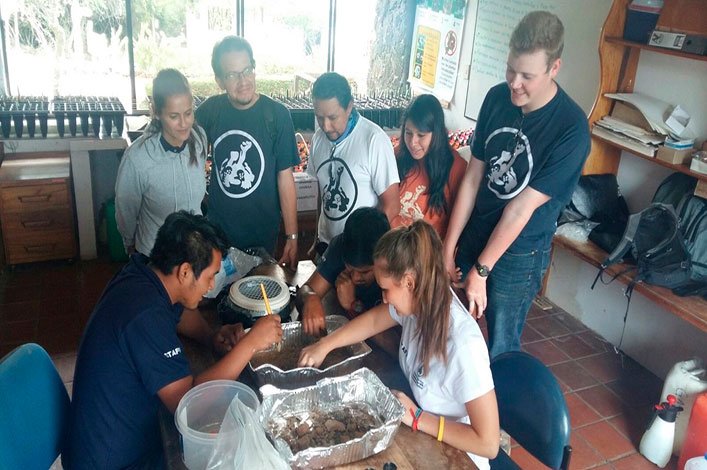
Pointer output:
x,y
436,42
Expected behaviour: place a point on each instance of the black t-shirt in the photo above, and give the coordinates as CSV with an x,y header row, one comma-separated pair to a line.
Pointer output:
x,y
249,147
545,149
129,351
332,265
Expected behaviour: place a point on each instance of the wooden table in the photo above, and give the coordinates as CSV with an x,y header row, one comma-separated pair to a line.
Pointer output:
x,y
409,450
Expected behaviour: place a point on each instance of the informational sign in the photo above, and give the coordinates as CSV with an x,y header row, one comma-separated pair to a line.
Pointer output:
x,y
435,47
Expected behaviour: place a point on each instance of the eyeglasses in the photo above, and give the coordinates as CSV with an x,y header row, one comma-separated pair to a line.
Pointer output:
x,y
513,141
237,76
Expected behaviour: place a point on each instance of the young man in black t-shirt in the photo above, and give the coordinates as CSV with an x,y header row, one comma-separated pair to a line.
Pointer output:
x,y
528,150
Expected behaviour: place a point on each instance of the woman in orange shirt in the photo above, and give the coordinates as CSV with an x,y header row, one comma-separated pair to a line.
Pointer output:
x,y
430,170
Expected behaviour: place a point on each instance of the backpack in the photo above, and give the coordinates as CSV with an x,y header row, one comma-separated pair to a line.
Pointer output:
x,y
656,241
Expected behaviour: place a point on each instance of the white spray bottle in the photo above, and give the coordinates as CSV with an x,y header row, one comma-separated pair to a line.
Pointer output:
x,y
657,442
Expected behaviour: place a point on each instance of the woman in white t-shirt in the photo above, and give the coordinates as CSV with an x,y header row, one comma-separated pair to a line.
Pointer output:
x,y
442,352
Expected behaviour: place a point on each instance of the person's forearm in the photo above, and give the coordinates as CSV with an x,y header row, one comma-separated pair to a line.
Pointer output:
x,y
463,205
231,365
193,325
360,328
288,200
459,435
302,295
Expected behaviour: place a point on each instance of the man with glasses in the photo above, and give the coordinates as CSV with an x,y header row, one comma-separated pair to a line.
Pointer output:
x,y
253,146
528,150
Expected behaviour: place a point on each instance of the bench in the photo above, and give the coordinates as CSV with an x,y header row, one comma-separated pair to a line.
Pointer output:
x,y
691,309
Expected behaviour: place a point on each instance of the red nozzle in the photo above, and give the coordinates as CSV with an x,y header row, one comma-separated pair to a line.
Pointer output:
x,y
672,400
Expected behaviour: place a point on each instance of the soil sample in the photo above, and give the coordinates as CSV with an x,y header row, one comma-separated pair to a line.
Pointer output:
x,y
325,428
288,356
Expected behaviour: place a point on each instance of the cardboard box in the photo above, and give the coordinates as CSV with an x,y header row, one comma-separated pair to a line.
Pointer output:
x,y
307,188
675,156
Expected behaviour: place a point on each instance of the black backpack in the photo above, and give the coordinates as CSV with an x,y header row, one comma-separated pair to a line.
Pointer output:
x,y
655,240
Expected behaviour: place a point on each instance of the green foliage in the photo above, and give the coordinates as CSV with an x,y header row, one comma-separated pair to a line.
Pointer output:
x,y
207,88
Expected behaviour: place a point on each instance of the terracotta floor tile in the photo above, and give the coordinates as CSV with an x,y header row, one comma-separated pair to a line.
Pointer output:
x,y
546,351
548,326
16,311
632,423
595,341
581,414
583,455
606,466
65,364
573,346
22,331
606,440
634,462
529,335
537,312
602,400
572,324
608,366
641,389
573,375
526,461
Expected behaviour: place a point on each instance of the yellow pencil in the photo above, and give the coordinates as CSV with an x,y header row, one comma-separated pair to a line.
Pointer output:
x,y
268,309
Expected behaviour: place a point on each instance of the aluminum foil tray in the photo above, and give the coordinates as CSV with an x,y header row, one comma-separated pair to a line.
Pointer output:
x,y
361,387
292,334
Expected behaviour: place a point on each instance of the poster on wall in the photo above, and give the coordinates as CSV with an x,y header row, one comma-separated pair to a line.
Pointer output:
x,y
436,43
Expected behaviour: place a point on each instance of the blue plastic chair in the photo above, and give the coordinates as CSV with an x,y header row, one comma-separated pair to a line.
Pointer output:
x,y
532,410
34,409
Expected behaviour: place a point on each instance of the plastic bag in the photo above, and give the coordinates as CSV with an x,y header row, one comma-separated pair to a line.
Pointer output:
x,y
234,266
241,442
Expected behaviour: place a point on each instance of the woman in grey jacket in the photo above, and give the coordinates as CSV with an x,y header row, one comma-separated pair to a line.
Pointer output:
x,y
163,171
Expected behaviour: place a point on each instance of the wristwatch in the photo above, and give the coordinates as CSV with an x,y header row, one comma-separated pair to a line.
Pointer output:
x,y
291,236
482,269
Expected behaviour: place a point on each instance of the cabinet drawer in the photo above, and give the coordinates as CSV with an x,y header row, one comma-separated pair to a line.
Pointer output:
x,y
35,197
23,224
40,248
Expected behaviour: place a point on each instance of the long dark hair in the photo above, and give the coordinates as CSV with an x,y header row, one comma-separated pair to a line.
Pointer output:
x,y
167,83
425,113
417,250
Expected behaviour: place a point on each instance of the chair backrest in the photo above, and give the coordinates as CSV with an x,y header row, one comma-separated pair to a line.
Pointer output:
x,y
34,409
532,408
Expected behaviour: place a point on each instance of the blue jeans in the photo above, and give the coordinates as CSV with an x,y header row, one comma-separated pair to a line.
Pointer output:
x,y
511,287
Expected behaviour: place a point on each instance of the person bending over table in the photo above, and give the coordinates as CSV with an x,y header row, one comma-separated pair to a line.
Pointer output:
x,y
131,359
347,265
442,352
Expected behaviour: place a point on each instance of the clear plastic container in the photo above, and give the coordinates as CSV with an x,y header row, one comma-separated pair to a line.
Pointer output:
x,y
200,413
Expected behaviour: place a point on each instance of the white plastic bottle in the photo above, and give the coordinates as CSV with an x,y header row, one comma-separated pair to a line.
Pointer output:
x,y
657,442
697,463
234,266
686,380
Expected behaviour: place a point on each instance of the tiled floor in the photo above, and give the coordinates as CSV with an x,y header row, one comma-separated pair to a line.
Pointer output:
x,y
609,397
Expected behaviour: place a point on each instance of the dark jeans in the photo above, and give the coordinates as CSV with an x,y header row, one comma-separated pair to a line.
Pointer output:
x,y
511,287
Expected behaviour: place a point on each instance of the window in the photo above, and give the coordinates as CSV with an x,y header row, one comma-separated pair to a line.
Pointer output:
x,y
81,47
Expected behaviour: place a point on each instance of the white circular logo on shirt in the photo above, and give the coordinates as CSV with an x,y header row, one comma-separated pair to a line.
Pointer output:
x,y
340,191
239,163
509,173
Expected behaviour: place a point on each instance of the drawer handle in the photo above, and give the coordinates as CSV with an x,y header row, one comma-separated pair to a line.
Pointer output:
x,y
42,198
40,248
36,223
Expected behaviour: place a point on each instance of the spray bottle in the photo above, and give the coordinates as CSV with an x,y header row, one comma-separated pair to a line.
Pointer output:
x,y
657,442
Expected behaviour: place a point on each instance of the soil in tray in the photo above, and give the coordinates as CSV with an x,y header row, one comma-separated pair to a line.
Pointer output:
x,y
287,357
325,428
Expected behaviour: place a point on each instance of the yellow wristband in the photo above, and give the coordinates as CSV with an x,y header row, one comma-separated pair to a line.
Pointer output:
x,y
440,431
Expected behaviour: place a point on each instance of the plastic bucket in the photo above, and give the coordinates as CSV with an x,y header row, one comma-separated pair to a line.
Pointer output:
x,y
199,415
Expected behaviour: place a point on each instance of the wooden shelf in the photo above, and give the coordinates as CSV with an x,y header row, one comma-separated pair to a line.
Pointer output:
x,y
681,168
660,50
691,309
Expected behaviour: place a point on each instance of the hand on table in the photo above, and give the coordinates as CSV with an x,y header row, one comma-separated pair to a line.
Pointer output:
x,y
345,290
313,356
227,337
289,254
313,321
266,332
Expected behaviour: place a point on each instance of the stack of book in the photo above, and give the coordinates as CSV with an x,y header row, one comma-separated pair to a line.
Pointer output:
x,y
621,129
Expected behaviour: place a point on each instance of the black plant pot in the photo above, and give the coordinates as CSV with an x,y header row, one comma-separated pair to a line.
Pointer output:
x,y
96,124
72,124
43,124
60,123
118,121
5,124
107,124
84,123
19,124
31,123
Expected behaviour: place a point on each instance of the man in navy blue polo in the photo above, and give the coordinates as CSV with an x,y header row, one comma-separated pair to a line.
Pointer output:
x,y
131,359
